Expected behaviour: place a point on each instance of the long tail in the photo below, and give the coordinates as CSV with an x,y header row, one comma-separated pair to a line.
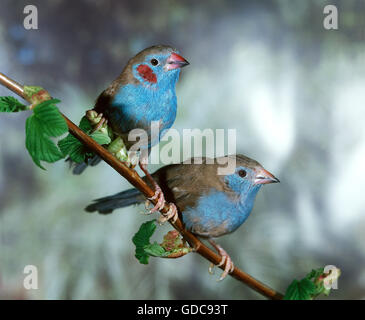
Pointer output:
x,y
120,200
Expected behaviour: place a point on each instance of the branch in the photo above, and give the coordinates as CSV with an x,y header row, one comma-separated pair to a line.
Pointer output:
x,y
132,176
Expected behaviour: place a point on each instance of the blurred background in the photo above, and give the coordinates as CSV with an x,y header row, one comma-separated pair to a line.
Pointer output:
x,y
293,91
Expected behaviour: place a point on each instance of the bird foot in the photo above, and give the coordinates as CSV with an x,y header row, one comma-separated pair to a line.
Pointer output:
x,y
161,199
226,260
171,214
147,207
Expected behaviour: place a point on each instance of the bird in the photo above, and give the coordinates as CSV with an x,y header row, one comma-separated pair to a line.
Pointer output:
x,y
211,204
142,94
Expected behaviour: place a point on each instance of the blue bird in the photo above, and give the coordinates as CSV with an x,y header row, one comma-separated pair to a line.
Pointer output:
x,y
211,205
143,93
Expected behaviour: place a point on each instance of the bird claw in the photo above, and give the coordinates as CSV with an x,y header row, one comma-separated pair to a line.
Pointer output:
x,y
229,266
226,261
160,202
147,205
171,214
211,268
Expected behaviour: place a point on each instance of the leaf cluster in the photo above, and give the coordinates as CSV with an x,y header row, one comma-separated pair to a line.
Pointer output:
x,y
308,288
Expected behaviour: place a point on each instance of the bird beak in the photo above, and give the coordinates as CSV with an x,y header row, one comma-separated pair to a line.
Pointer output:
x,y
175,61
264,177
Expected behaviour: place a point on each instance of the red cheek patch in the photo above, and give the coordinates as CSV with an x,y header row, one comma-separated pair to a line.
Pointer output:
x,y
146,73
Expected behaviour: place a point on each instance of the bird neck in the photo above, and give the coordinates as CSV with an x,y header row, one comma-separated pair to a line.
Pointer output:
x,y
246,198
169,80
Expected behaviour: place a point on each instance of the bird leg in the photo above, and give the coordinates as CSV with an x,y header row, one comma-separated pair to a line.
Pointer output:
x,y
226,259
172,213
158,192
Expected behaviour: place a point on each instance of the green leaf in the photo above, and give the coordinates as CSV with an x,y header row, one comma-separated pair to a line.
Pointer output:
x,y
315,273
72,147
75,149
67,144
154,249
142,242
309,287
101,138
45,122
144,248
300,290
50,119
10,104
292,292
141,255
145,232
85,125
38,144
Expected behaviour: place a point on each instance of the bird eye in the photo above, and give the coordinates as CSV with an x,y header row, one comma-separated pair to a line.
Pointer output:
x,y
242,173
154,62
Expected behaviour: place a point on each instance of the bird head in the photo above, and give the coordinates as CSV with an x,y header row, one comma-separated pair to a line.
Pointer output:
x,y
248,177
156,65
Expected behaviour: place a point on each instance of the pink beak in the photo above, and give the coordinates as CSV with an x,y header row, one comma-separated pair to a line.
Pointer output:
x,y
175,61
264,177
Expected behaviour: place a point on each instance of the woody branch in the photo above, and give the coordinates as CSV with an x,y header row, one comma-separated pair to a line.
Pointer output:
x,y
132,176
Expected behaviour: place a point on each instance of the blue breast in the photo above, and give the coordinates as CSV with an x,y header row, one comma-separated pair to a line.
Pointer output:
x,y
217,214
136,106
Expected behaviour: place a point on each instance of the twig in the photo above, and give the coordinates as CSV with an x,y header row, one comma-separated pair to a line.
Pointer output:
x,y
132,176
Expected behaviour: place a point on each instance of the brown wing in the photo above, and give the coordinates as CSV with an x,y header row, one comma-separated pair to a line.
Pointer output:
x,y
184,184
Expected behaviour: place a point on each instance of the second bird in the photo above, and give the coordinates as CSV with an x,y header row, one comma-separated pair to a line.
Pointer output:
x,y
211,205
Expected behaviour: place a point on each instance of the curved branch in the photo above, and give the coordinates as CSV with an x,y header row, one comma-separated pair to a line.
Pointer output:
x,y
132,176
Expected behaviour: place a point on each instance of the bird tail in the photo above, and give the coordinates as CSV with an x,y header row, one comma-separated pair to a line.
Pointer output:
x,y
80,167
120,200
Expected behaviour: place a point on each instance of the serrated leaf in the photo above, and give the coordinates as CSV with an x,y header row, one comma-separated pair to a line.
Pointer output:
x,y
39,145
307,288
141,255
72,147
75,149
145,232
315,273
144,248
78,154
45,122
300,290
10,104
85,125
50,119
154,249
292,292
142,239
304,289
67,144
101,138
